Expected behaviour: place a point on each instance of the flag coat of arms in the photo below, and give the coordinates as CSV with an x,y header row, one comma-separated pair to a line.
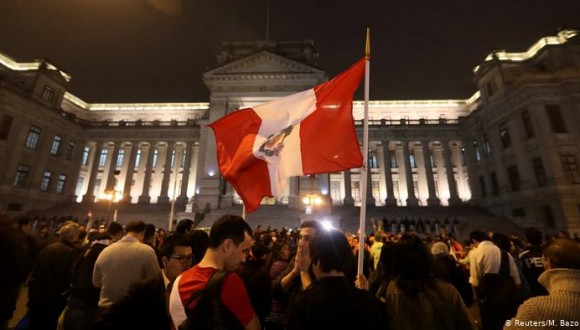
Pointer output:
x,y
310,132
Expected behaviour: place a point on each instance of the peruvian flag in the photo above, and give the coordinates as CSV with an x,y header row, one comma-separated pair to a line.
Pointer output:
x,y
310,132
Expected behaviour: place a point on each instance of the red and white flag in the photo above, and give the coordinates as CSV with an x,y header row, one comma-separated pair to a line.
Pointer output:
x,y
310,132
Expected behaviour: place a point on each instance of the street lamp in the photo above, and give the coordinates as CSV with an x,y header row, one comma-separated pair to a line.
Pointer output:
x,y
113,196
310,201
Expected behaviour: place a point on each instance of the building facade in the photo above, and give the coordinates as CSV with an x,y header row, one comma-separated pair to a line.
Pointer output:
x,y
512,148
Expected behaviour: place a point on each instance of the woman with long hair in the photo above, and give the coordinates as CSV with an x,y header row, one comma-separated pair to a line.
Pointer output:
x,y
415,299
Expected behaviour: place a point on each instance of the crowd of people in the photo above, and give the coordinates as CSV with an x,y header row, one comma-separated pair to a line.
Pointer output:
x,y
414,276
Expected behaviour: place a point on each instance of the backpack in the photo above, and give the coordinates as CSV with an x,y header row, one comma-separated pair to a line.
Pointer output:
x,y
210,312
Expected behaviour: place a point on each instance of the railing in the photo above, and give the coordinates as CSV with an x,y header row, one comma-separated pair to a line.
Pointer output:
x,y
126,123
404,122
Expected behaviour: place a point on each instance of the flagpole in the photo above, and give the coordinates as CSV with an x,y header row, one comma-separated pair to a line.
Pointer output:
x,y
364,168
244,211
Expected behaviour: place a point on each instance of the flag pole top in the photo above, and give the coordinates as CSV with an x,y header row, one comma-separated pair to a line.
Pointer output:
x,y
368,45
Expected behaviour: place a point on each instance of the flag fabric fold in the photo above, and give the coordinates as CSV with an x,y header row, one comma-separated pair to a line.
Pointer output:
x,y
310,132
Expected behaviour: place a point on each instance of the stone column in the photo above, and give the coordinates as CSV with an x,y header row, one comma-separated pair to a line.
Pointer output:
x,y
183,199
129,174
90,195
411,198
433,199
112,167
390,200
167,168
293,192
348,200
145,198
453,196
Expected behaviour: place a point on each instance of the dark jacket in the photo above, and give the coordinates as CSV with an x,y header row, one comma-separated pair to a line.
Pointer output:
x,y
144,307
334,303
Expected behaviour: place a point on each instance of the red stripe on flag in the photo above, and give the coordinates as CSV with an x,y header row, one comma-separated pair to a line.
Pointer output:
x,y
328,137
235,135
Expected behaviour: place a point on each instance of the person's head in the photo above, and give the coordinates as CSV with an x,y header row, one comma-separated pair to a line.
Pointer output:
x,y
231,237
184,226
43,231
115,231
308,231
69,232
440,250
149,234
24,226
478,236
175,256
330,252
534,236
562,253
502,241
136,229
281,250
199,241
412,264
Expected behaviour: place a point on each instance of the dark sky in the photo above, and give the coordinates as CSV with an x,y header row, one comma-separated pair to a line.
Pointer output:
x,y
131,51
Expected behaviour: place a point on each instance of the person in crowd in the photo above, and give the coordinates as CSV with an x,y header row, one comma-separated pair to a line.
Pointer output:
x,y
230,241
506,244
366,255
415,299
562,280
123,263
115,231
257,280
25,228
49,280
494,277
199,240
375,249
447,269
14,257
277,262
43,238
532,265
150,236
82,303
145,305
184,226
333,302
381,277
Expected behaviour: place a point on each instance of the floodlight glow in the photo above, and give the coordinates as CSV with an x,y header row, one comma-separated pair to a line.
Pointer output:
x,y
306,201
317,200
327,225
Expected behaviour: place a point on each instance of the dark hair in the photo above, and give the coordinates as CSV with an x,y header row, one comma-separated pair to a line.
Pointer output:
x,y
184,226
169,244
563,253
384,268
149,231
275,253
135,227
114,229
199,240
311,224
534,236
502,241
228,227
331,250
412,265
23,222
479,236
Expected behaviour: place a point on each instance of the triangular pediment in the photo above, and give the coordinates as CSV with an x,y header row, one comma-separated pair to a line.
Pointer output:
x,y
264,62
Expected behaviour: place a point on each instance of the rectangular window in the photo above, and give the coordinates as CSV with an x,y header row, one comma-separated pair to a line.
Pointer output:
x,y
5,125
33,137
55,145
85,159
393,160
477,152
120,158
48,94
539,172
483,187
487,146
183,158
432,159
373,162
103,157
462,156
529,129
555,118
172,158
514,176
155,156
70,149
490,87
21,176
45,180
412,161
60,184
138,158
570,167
504,135
494,184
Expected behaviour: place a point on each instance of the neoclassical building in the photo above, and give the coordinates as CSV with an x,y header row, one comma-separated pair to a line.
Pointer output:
x,y
512,148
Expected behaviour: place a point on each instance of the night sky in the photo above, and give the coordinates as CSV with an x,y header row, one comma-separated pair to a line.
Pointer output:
x,y
157,50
